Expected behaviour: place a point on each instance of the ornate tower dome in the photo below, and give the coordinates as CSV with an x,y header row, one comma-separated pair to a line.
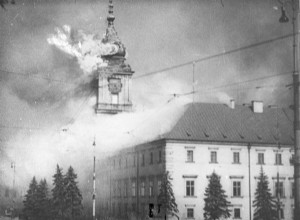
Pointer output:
x,y
114,80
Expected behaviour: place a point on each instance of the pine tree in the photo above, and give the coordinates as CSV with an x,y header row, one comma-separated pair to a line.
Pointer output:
x,y
42,201
216,204
58,192
29,209
265,205
166,197
73,197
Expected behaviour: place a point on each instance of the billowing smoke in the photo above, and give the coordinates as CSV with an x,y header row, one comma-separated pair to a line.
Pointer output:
x,y
87,48
47,101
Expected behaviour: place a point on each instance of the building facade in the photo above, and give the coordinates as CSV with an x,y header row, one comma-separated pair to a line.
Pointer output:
x,y
236,142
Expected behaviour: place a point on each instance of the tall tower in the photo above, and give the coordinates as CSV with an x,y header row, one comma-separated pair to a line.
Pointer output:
x,y
114,80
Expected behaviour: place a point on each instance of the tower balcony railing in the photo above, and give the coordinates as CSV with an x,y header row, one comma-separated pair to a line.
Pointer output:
x,y
113,108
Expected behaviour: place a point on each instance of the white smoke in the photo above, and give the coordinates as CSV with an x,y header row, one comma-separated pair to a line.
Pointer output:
x,y
87,48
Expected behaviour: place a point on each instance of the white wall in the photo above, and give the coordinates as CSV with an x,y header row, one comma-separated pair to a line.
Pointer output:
x,y
176,156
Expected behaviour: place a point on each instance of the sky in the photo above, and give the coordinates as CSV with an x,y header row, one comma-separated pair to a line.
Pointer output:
x,y
47,101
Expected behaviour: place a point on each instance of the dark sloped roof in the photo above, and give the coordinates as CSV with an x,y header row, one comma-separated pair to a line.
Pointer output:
x,y
219,123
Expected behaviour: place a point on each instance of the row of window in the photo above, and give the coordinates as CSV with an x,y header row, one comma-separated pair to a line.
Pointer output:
x,y
236,213
121,188
123,162
278,188
236,157
119,209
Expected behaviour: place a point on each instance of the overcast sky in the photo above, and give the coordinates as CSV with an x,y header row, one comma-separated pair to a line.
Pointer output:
x,y
40,92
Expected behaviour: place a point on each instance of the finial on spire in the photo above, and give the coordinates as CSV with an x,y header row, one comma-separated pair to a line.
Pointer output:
x,y
110,17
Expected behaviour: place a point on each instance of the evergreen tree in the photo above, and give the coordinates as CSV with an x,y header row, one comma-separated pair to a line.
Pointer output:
x,y
265,205
73,197
42,201
166,197
29,209
58,195
216,204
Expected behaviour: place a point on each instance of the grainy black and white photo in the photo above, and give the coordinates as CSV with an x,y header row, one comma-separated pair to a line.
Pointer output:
x,y
149,110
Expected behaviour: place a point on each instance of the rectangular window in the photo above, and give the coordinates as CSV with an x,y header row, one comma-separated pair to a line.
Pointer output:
x,y
190,213
142,190
134,162
213,157
158,186
120,163
279,189
151,188
190,187
261,158
159,156
119,188
190,156
126,162
236,188
151,158
143,160
278,159
236,213
292,190
115,187
236,157
281,213
125,188
292,159
133,188
119,209
133,207
125,208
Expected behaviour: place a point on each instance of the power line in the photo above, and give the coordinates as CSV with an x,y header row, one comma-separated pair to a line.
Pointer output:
x,y
247,81
215,56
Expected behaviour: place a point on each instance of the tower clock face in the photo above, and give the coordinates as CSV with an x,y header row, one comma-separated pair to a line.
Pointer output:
x,y
114,85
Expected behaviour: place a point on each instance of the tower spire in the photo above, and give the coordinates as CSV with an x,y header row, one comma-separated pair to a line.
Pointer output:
x,y
110,17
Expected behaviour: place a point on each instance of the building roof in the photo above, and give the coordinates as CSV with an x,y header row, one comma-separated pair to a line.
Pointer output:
x,y
220,123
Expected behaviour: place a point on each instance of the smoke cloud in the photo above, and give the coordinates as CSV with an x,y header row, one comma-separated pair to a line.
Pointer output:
x,y
47,85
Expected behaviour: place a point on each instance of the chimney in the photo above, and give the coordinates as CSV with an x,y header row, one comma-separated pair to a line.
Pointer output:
x,y
232,104
258,106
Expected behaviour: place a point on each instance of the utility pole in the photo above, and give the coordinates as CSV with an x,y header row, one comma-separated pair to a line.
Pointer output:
x,y
295,5
194,81
13,166
284,19
94,182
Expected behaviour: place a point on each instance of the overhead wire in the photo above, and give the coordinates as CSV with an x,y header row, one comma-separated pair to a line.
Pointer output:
x,y
215,55
171,68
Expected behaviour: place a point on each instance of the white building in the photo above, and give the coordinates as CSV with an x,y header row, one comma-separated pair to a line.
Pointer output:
x,y
234,141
